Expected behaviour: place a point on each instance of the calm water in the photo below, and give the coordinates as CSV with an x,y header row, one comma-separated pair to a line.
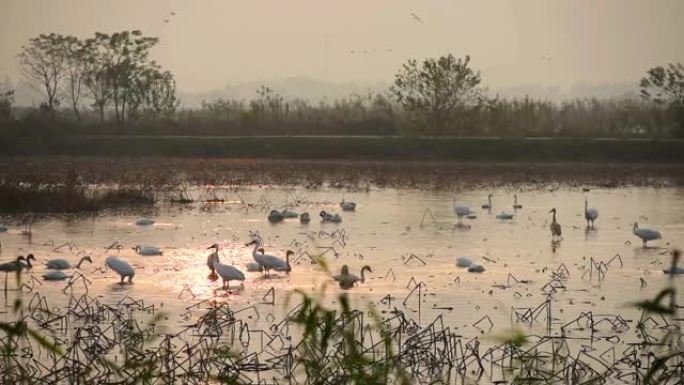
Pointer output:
x,y
384,232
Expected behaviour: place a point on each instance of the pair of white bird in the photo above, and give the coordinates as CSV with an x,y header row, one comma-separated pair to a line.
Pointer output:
x,y
59,264
266,262
488,205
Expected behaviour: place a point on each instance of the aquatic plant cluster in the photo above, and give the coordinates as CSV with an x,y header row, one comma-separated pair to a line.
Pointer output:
x,y
89,341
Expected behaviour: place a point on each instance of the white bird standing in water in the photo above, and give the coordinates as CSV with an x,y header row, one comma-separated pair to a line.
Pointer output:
x,y
646,234
14,266
121,267
488,205
213,257
226,272
555,226
347,280
63,264
460,209
515,202
270,262
590,214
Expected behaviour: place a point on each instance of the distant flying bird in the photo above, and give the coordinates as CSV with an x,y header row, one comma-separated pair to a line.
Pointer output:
x,y
417,18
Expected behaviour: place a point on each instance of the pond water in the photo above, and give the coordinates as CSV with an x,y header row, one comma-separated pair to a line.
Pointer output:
x,y
407,237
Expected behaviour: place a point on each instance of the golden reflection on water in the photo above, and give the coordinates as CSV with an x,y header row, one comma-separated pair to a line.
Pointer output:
x,y
383,232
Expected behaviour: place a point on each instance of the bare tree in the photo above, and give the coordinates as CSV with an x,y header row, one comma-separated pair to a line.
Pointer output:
x,y
75,72
43,63
665,85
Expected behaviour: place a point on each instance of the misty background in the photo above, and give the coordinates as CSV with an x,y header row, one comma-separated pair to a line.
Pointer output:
x,y
319,49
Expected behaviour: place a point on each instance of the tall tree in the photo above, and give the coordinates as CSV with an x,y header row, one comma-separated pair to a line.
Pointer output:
x,y
75,72
437,91
130,62
665,85
97,56
6,101
43,63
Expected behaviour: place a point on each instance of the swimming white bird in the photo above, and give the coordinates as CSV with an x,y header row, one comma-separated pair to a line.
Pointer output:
x,y
475,268
213,257
590,214
147,250
62,264
289,214
144,222
270,262
555,226
460,209
55,275
14,266
347,280
121,267
227,273
348,206
488,205
675,271
328,217
645,234
464,262
305,218
515,202
504,215
275,216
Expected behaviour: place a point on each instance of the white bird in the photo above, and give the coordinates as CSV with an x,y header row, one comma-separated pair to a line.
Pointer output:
x,y
305,218
328,217
555,226
63,264
270,262
504,215
147,250
488,205
275,216
464,262
460,209
515,202
590,214
26,263
213,257
14,266
646,234
289,214
227,273
348,206
55,275
144,222
121,267
347,280
255,267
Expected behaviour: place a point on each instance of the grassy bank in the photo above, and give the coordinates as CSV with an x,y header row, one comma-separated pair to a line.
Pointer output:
x,y
354,148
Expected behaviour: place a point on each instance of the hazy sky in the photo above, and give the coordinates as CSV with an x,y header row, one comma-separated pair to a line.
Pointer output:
x,y
210,43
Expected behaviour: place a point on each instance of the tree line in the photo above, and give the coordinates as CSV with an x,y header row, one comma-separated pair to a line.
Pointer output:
x,y
113,72
435,96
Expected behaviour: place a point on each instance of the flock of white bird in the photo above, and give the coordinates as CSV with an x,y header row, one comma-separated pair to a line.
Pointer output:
x,y
266,263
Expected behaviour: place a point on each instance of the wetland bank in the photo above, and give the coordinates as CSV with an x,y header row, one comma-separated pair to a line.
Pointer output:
x,y
561,311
